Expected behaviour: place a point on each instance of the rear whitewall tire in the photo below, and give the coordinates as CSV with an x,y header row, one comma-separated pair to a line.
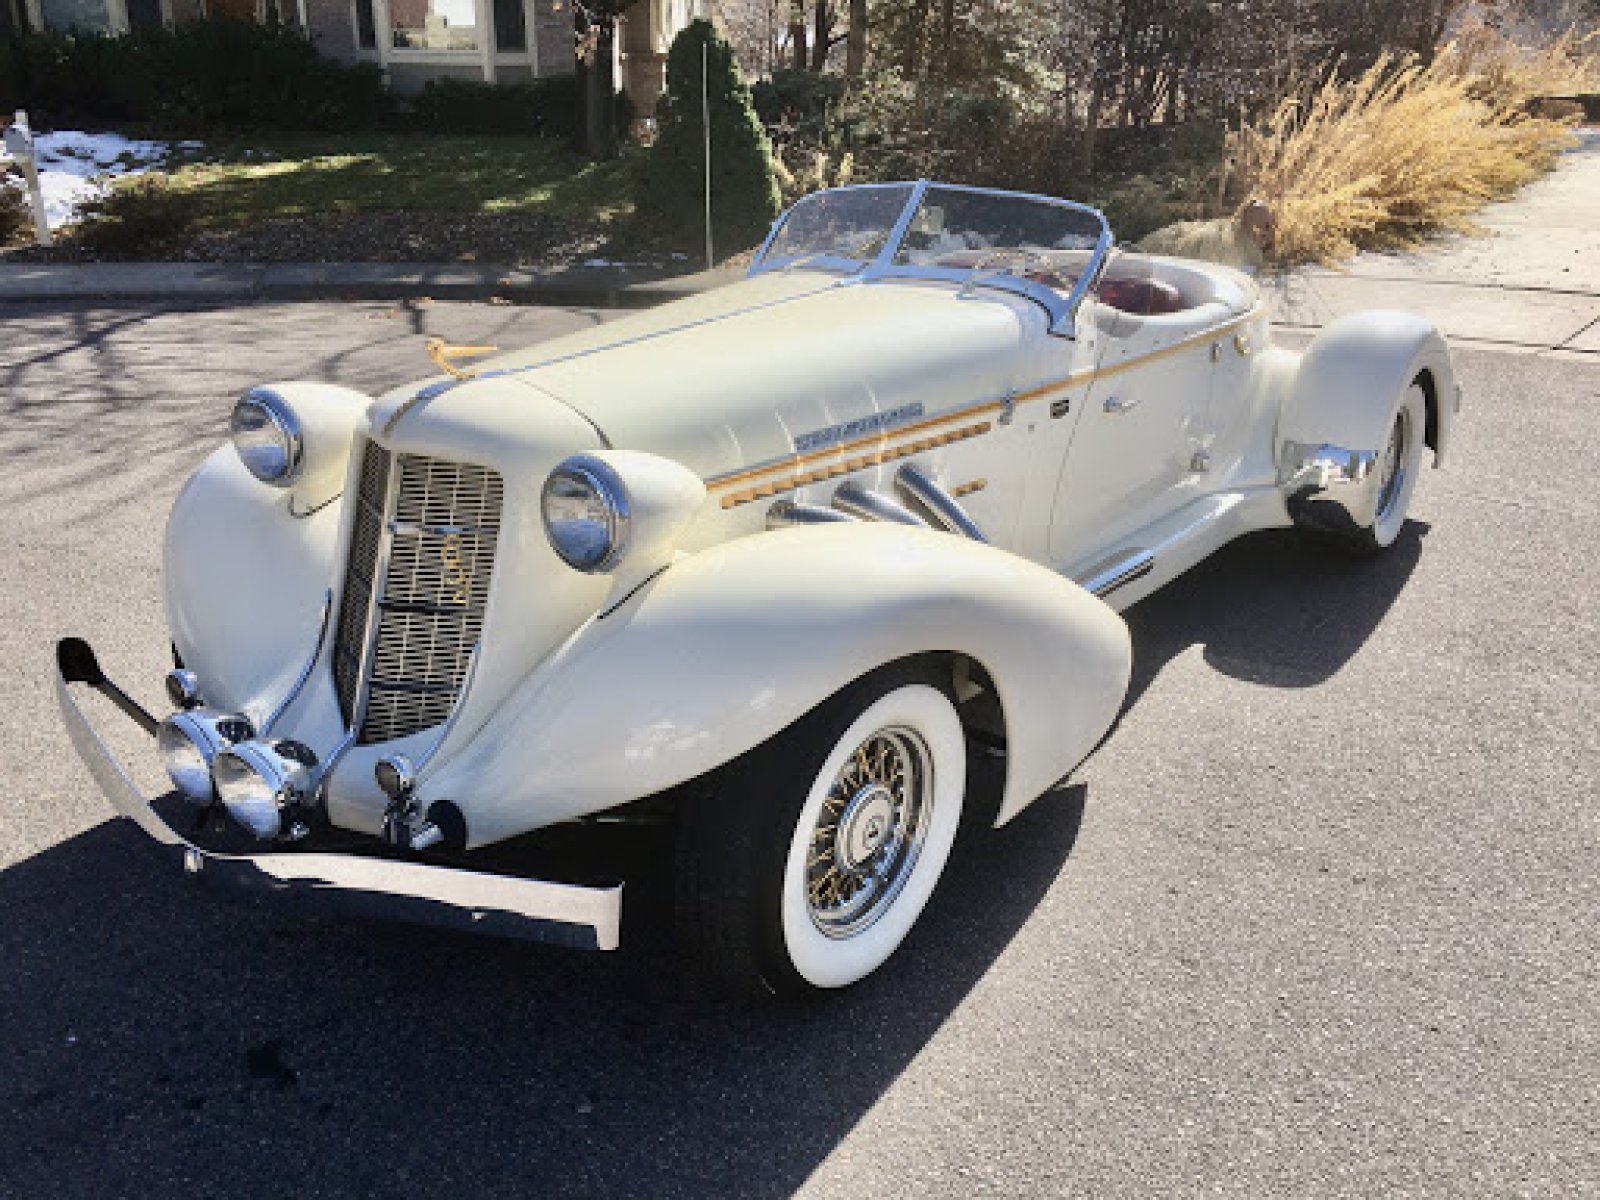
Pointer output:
x,y
1399,464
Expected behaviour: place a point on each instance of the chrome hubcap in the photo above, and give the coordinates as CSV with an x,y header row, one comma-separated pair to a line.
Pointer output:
x,y
869,833
1392,471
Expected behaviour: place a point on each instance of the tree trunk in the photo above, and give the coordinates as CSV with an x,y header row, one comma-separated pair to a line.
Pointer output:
x,y
797,34
916,38
821,35
947,33
1091,120
855,49
599,93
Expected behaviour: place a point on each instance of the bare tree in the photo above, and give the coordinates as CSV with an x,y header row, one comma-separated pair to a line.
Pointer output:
x,y
855,47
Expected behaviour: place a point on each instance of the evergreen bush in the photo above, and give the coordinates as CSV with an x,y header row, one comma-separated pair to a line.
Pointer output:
x,y
670,187
547,107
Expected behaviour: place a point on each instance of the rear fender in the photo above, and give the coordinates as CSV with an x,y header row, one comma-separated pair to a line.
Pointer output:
x,y
1355,371
728,647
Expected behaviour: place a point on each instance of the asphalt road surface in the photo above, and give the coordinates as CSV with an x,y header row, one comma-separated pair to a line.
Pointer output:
x,y
1319,919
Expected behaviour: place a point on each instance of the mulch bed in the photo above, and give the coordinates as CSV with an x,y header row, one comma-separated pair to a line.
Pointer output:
x,y
513,239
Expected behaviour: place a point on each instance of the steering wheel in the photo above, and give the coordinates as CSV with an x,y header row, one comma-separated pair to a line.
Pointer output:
x,y
1044,274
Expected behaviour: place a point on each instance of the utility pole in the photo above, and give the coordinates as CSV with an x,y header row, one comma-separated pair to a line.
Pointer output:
x,y
705,129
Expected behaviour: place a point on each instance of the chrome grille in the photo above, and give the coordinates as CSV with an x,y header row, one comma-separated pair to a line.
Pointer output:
x,y
428,526
350,634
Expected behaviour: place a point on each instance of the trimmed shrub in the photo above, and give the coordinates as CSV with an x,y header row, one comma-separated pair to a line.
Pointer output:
x,y
135,216
670,187
16,217
547,107
213,73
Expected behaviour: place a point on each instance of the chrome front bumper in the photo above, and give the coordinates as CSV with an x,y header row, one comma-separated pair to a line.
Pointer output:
x,y
500,905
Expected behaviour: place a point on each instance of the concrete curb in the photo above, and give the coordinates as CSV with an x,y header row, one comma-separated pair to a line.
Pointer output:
x,y
598,287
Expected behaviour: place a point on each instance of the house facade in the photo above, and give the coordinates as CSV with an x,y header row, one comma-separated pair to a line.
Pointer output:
x,y
493,41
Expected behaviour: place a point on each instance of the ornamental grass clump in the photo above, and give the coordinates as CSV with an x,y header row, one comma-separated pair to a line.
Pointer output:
x,y
1378,161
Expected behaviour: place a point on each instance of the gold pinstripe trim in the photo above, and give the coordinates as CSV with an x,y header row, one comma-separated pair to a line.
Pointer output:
x,y
802,478
982,407
871,439
972,485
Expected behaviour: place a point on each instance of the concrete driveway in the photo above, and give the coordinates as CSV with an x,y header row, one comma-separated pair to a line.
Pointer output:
x,y
1318,919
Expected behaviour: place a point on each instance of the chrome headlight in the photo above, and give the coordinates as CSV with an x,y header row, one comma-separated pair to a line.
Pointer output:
x,y
586,513
268,437
263,785
189,742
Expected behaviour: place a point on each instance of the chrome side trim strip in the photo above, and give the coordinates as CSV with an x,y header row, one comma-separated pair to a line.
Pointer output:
x,y
943,509
417,892
271,719
1119,571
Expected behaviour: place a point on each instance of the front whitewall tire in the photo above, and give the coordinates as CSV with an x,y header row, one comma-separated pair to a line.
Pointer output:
x,y
827,960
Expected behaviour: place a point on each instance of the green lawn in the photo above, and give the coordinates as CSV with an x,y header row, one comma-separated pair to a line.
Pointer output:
x,y
285,175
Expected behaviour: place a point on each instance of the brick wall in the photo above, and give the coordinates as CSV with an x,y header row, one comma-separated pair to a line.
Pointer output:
x,y
553,32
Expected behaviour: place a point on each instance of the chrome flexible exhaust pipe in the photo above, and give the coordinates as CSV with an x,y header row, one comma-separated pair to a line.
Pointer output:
x,y
925,495
868,505
787,513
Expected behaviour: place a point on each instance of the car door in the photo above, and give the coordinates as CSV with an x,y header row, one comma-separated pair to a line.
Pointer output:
x,y
1133,452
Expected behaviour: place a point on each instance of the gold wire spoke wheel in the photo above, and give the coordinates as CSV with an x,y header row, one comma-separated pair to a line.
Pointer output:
x,y
869,832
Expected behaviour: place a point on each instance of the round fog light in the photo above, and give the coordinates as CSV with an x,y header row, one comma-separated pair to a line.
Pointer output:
x,y
190,741
262,785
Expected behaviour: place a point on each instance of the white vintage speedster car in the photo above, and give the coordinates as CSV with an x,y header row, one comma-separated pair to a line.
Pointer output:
x,y
777,554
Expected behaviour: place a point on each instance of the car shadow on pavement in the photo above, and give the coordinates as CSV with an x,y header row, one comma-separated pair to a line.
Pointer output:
x,y
1276,608
160,1041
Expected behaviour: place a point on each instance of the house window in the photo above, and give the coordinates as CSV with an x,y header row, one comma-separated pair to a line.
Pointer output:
x,y
510,25
144,14
434,24
76,14
366,26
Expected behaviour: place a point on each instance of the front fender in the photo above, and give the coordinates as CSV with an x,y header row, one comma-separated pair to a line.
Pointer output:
x,y
726,648
1354,371
245,581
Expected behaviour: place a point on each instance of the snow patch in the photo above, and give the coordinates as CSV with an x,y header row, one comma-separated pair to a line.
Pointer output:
x,y
76,167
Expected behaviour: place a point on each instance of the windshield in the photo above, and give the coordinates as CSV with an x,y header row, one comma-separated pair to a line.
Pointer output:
x,y
1032,238
853,223
1048,250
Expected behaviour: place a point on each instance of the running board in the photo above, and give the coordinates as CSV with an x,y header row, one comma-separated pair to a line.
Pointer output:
x,y
1167,548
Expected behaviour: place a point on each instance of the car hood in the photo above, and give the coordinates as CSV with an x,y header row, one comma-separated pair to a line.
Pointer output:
x,y
782,363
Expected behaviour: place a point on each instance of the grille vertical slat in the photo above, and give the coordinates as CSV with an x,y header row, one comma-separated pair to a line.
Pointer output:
x,y
439,551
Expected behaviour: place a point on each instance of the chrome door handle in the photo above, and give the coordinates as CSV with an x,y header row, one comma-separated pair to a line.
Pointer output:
x,y
1116,404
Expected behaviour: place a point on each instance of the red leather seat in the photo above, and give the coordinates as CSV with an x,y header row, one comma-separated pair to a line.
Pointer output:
x,y
1141,297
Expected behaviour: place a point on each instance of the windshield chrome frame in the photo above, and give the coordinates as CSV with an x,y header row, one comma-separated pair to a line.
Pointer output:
x,y
1062,310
